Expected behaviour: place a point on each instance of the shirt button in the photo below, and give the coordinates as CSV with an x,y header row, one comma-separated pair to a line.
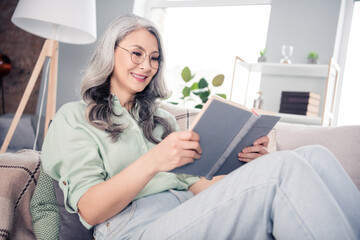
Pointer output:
x,y
64,182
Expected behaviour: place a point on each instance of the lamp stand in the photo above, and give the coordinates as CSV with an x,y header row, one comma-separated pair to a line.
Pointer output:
x,y
2,96
50,49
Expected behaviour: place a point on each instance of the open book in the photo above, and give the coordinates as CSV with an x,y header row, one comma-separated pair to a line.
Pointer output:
x,y
225,129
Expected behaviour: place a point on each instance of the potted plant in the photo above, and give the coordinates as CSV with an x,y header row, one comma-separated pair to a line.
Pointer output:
x,y
313,57
199,91
262,57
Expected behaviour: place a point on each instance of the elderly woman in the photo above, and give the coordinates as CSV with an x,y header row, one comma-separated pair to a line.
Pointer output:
x,y
112,153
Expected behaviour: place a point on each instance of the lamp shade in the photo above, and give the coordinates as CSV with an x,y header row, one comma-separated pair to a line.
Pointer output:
x,y
68,21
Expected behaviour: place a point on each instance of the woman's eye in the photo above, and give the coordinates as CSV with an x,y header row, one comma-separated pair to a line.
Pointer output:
x,y
155,58
138,54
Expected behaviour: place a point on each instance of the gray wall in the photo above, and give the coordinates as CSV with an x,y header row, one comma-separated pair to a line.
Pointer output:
x,y
307,25
73,58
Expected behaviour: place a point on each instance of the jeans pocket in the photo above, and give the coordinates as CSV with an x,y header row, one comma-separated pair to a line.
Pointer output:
x,y
114,225
182,196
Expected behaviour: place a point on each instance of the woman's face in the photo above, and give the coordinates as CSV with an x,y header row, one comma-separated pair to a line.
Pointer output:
x,y
129,78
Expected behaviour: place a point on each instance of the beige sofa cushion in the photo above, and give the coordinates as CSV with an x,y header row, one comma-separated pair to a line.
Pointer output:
x,y
342,141
184,116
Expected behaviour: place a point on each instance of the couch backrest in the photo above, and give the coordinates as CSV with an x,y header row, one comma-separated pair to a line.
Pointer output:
x,y
342,141
184,116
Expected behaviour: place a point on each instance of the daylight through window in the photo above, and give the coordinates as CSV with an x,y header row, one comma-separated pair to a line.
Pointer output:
x,y
207,39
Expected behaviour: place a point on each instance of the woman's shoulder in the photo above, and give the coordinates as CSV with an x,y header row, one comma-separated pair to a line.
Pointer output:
x,y
72,110
73,106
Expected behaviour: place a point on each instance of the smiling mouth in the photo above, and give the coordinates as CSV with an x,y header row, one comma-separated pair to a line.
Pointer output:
x,y
138,77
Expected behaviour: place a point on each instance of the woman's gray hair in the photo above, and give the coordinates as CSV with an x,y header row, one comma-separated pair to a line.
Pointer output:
x,y
95,85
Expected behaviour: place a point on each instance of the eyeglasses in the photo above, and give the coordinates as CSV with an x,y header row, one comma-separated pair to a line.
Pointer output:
x,y
138,56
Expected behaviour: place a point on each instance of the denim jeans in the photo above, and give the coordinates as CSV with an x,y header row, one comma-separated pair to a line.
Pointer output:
x,y
301,194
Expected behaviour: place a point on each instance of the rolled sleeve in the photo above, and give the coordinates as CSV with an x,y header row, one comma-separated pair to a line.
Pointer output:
x,y
188,179
70,154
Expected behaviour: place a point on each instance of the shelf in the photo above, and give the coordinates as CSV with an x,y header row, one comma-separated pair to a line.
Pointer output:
x,y
295,70
286,76
301,119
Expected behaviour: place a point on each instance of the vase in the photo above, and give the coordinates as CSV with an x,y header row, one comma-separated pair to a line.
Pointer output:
x,y
312,61
262,59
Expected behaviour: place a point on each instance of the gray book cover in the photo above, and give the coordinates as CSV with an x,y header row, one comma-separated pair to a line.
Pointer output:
x,y
225,129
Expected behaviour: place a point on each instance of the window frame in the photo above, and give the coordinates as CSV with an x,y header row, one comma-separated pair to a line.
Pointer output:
x,y
340,47
144,7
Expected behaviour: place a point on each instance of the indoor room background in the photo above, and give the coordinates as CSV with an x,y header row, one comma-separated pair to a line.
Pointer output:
x,y
306,25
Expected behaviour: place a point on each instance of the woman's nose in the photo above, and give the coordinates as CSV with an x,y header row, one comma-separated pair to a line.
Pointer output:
x,y
146,64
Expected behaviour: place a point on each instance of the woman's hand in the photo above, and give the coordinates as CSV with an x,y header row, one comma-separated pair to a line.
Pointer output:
x,y
177,149
258,149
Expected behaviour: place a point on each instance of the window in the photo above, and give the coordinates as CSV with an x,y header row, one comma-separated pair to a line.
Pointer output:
x,y
350,98
207,38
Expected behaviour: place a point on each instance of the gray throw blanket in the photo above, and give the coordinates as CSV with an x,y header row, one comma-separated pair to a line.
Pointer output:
x,y
19,173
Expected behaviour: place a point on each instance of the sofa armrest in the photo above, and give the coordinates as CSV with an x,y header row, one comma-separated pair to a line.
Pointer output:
x,y
19,173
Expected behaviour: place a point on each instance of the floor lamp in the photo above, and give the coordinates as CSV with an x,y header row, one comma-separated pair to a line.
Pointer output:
x,y
65,21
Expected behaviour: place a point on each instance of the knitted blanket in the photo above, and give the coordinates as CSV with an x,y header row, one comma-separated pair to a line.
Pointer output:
x,y
18,177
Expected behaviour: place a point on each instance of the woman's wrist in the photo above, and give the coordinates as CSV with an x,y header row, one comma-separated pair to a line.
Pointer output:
x,y
147,163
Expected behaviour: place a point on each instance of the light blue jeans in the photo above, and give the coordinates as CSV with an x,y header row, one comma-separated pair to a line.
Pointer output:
x,y
301,194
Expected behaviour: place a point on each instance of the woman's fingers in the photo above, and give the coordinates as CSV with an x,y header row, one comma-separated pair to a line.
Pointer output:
x,y
189,140
193,145
262,141
256,149
248,156
250,153
177,149
188,136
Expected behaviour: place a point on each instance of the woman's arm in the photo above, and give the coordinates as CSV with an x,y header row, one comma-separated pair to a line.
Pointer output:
x,y
203,183
106,199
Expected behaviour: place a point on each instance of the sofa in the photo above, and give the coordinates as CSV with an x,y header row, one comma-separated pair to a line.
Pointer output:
x,y
20,176
25,132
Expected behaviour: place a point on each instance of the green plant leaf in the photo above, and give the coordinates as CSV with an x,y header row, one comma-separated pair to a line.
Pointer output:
x,y
199,106
313,55
223,95
204,100
186,91
186,74
218,80
262,53
198,92
203,83
175,103
194,86
204,96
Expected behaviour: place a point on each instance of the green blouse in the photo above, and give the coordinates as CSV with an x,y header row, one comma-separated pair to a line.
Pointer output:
x,y
80,155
